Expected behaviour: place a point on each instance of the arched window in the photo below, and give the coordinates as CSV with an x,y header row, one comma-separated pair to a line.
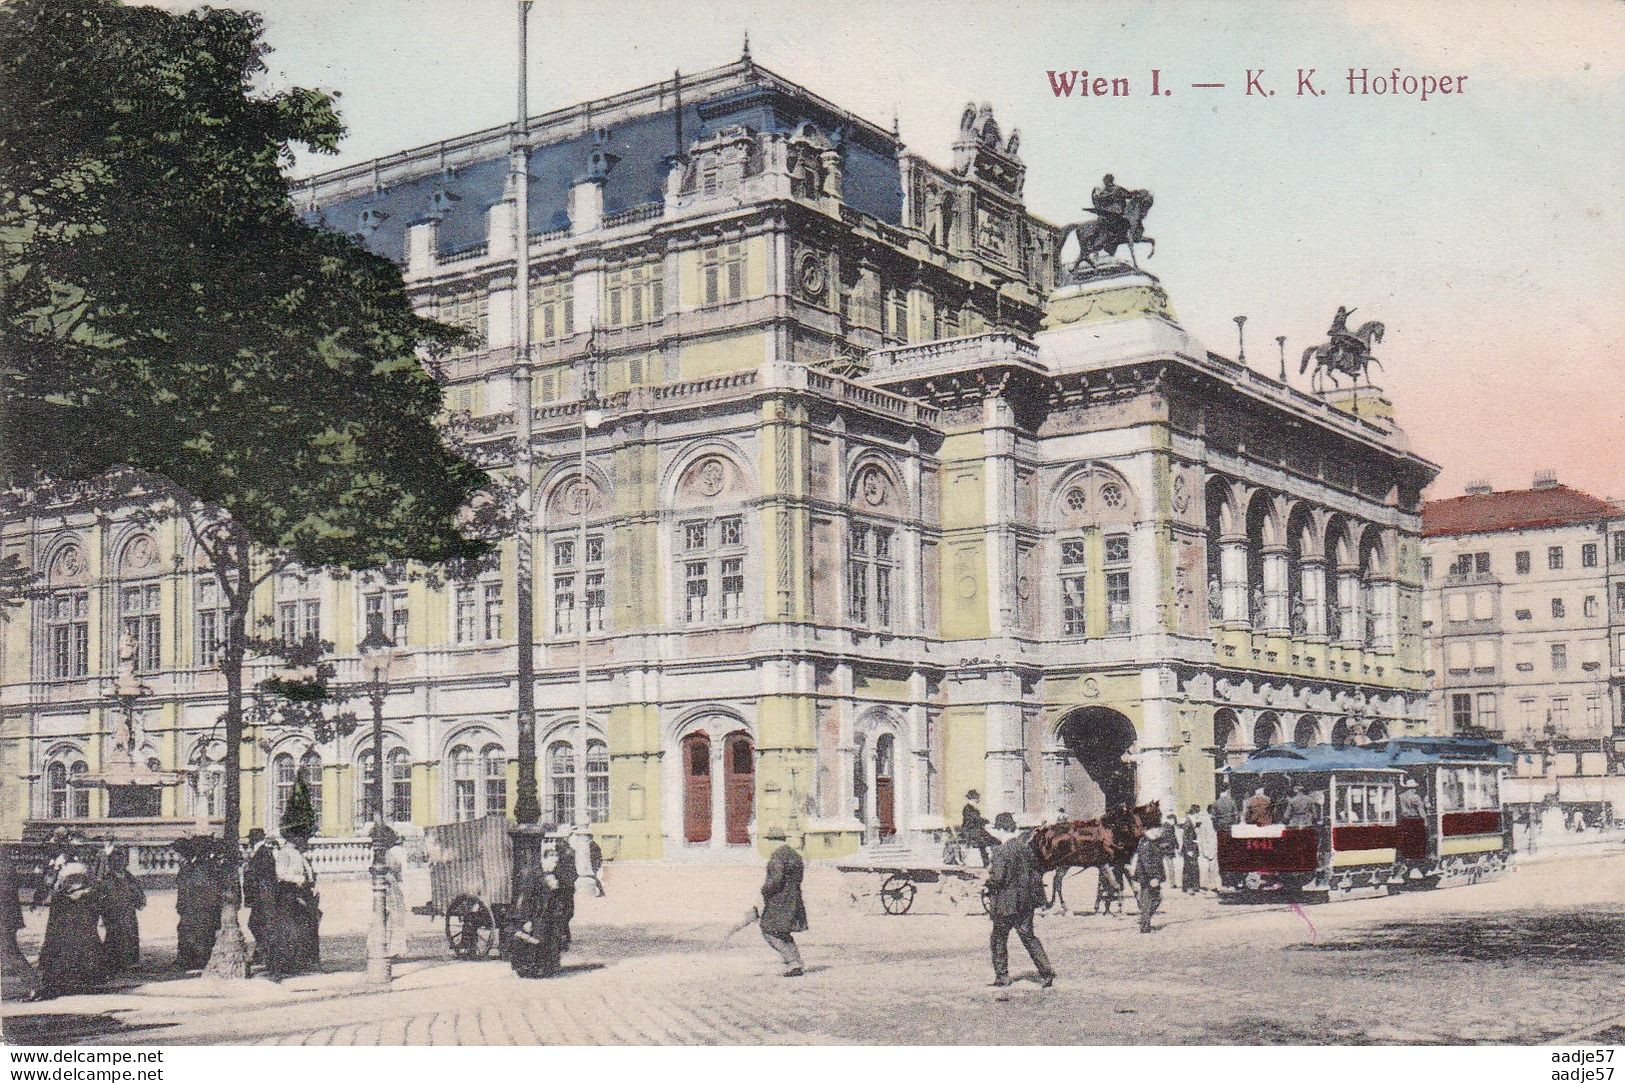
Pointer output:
x,y
400,785
597,782
561,782
282,776
463,806
494,770
78,792
56,790
310,769
1340,734
1376,731
365,805
1224,727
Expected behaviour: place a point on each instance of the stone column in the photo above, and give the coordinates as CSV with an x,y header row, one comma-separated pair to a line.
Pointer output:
x,y
1276,617
1233,578
1348,604
1312,577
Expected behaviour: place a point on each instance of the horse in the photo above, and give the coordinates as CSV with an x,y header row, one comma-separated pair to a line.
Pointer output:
x,y
1107,233
1338,356
1106,844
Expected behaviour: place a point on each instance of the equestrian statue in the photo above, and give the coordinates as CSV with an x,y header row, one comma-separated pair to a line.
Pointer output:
x,y
1347,352
1119,220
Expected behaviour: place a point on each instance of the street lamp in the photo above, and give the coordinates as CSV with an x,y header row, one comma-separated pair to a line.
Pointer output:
x,y
591,418
377,651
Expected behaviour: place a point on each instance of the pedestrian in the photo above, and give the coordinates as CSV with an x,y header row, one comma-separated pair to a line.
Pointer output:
x,y
120,898
567,876
595,858
394,892
534,951
1148,871
1258,811
1190,852
1169,840
1015,888
258,885
198,891
294,928
1207,842
72,958
783,912
1300,810
973,827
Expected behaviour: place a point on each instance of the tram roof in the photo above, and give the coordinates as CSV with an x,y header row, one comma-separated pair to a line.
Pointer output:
x,y
1391,755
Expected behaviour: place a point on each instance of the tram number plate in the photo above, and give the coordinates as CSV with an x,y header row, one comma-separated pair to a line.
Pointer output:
x,y
1260,844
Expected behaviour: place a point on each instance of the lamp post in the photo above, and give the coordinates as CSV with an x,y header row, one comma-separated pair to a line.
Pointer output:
x,y
591,418
377,651
1280,340
1241,341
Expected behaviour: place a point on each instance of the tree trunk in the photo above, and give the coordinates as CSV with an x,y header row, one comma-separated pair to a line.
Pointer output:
x,y
230,956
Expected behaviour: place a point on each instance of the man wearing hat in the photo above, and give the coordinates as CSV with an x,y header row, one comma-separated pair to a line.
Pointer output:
x,y
1300,809
973,827
1015,888
1410,801
783,912
258,889
1258,809
1149,871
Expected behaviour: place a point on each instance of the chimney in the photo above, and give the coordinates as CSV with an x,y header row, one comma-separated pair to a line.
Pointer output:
x,y
1545,479
1479,488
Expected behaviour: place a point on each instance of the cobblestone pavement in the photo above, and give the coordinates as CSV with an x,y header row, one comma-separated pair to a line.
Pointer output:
x,y
1536,956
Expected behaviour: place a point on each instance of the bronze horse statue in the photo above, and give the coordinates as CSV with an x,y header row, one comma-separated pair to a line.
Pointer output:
x,y
1106,844
1348,353
1109,232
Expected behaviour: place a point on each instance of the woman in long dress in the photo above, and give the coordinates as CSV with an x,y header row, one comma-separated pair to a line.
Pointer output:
x,y
537,915
197,902
395,912
121,900
71,958
295,927
1190,852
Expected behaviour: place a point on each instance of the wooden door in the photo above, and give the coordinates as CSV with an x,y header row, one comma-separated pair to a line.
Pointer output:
x,y
697,787
739,797
885,801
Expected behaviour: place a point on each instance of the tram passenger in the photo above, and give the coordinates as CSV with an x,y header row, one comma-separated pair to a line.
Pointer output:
x,y
1225,813
1410,801
1258,811
1300,809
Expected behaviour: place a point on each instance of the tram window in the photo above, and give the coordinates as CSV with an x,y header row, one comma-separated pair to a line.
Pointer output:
x,y
1451,791
1492,788
1357,804
1385,804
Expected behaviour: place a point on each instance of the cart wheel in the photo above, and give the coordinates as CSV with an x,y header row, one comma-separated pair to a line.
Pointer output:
x,y
987,900
470,928
897,894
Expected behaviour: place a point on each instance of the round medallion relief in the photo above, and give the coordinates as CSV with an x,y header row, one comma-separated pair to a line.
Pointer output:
x,y
810,274
140,553
1182,495
874,487
712,475
70,562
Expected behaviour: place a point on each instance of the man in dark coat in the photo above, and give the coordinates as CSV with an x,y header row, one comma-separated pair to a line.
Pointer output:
x,y
783,912
120,897
71,959
197,902
1149,872
294,929
1225,814
567,876
1015,888
537,908
259,889
973,827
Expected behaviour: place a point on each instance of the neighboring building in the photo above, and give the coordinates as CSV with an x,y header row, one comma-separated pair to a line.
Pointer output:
x,y
885,507
1525,614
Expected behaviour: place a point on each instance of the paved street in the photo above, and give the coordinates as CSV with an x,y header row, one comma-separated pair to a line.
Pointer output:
x,y
1537,956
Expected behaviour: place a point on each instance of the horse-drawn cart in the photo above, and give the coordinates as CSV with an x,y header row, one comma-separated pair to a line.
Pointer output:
x,y
471,882
901,883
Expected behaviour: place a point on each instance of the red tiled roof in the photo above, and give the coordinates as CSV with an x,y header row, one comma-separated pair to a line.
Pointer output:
x,y
1515,509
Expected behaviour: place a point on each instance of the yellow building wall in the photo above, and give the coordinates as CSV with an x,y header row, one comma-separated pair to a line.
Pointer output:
x,y
633,831
964,728
741,352
786,745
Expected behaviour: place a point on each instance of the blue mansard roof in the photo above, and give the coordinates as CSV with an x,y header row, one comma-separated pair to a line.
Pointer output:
x,y
642,136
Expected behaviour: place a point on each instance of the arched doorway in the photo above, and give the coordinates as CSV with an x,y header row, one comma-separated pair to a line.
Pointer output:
x,y
1096,739
885,792
739,792
1305,732
697,787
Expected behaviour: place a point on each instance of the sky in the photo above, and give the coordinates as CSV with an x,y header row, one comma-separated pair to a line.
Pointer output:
x,y
1485,228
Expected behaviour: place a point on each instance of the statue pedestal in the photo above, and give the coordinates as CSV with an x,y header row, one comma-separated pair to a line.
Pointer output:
x,y
1364,401
133,791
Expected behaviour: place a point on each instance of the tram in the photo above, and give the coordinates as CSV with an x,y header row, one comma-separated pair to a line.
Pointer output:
x,y
1411,812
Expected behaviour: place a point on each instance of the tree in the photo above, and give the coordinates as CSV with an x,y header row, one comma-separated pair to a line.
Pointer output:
x,y
168,317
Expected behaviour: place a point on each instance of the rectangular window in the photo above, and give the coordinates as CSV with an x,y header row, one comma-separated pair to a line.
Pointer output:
x,y
493,611
564,554
466,613
711,281
1591,607
1560,710
564,604
733,588
694,536
869,569
1526,713
1619,598
1554,558
1463,565
731,531
595,549
139,611
287,621
1521,561
1557,609
210,621
1481,563
1427,568
399,618
552,310
1461,710
1117,585
68,622
311,608
1588,555
1487,714
1593,710
594,599
1074,609
373,611
1619,547
1560,657
696,588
